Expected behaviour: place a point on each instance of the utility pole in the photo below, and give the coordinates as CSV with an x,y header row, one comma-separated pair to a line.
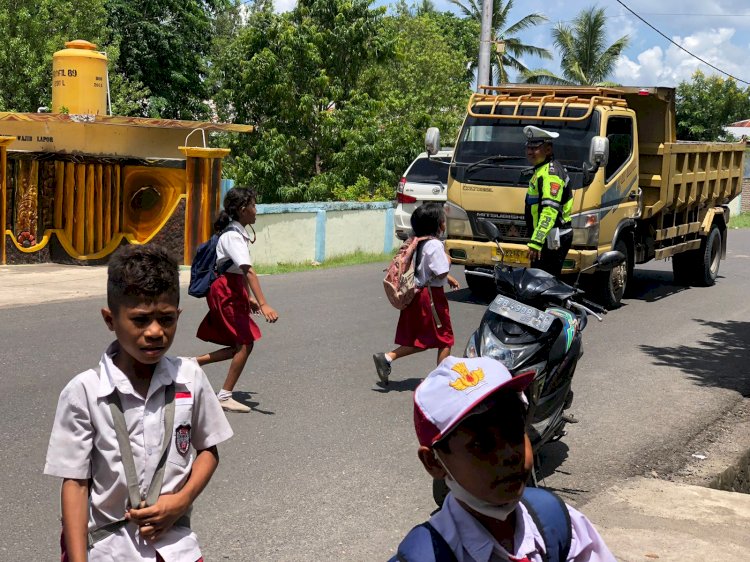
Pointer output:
x,y
485,40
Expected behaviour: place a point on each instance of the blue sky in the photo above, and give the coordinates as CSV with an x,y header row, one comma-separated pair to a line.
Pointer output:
x,y
715,30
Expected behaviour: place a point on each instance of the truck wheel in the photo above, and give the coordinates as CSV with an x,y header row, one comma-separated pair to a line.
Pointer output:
x,y
481,287
613,283
709,256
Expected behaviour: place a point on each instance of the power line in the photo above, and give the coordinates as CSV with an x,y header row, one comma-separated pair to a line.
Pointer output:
x,y
697,15
680,46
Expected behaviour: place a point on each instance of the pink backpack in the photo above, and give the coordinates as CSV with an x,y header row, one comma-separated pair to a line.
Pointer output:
x,y
399,284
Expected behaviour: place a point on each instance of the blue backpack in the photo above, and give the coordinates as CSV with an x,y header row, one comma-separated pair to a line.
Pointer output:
x,y
550,515
203,271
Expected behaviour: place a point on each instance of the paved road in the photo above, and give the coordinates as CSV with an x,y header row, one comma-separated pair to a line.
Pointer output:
x,y
325,468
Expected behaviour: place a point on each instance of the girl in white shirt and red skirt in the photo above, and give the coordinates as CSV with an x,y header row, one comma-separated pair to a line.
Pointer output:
x,y
230,304
426,322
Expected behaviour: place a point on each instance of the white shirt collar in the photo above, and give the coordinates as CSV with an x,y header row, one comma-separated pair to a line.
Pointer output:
x,y
239,228
477,541
112,377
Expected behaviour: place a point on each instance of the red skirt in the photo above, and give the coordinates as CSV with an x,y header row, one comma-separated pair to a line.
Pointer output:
x,y
416,324
228,321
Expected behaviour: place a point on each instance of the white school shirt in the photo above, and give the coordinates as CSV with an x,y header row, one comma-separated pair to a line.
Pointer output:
x,y
234,245
471,542
83,445
433,261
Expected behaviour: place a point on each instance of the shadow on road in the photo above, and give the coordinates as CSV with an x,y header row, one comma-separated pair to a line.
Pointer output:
x,y
548,461
653,285
245,398
405,385
466,296
720,360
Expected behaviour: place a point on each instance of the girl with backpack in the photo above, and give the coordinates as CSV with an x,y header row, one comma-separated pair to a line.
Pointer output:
x,y
425,323
234,295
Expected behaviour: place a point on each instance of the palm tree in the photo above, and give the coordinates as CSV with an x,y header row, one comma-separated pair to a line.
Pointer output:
x,y
514,47
585,58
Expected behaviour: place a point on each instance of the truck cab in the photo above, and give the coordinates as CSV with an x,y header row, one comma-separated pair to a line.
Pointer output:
x,y
619,171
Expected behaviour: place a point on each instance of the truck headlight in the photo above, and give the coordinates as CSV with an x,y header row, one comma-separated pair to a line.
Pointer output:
x,y
585,230
456,221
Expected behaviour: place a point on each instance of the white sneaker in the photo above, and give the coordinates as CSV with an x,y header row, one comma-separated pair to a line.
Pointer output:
x,y
231,405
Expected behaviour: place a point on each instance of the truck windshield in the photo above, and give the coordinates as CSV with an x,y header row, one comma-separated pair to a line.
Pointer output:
x,y
484,137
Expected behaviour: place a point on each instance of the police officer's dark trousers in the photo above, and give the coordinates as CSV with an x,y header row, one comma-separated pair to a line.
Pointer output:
x,y
551,261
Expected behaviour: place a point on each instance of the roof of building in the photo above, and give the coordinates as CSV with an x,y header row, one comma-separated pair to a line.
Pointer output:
x,y
125,121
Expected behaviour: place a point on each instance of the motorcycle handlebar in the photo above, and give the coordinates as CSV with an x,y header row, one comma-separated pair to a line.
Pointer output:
x,y
583,308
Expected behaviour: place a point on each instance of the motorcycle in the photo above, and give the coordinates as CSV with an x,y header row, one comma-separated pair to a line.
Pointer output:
x,y
535,324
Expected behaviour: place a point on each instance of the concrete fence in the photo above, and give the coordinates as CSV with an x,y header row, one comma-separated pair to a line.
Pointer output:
x,y
306,232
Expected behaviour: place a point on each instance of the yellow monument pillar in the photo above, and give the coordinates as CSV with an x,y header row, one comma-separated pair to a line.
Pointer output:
x,y
4,142
203,190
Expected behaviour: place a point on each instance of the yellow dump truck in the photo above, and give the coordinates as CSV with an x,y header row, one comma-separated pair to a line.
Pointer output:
x,y
636,188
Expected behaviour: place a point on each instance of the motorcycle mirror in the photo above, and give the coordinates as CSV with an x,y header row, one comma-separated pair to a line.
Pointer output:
x,y
490,230
605,262
610,260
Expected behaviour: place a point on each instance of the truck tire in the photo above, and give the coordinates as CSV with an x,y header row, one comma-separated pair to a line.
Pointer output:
x,y
709,258
613,284
482,288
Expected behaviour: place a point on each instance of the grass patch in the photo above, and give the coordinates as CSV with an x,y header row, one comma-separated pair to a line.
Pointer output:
x,y
740,221
340,261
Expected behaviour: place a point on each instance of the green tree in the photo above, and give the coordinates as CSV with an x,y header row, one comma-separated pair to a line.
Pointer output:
x,y
515,48
289,74
383,127
164,46
707,104
585,57
31,32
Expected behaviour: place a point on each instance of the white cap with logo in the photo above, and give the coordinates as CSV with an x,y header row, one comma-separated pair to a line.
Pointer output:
x,y
450,393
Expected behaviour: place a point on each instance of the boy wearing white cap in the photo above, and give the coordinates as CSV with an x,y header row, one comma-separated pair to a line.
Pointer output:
x,y
469,416
549,203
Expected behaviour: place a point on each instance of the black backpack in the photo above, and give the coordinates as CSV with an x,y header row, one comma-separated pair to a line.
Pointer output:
x,y
550,515
203,271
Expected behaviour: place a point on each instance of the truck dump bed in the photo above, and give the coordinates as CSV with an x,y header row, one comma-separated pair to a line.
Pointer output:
x,y
680,176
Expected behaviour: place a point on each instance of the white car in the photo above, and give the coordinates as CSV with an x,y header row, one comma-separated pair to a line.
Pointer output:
x,y
426,179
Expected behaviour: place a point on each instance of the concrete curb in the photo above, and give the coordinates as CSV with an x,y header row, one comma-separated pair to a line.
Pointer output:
x,y
24,285
648,519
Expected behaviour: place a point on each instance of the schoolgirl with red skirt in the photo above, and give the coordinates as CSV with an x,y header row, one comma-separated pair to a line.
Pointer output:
x,y
235,295
426,322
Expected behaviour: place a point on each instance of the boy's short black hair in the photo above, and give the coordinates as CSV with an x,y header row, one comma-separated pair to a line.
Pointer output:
x,y
426,219
505,406
237,198
141,271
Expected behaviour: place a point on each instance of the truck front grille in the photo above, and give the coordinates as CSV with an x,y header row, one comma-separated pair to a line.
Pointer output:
x,y
512,227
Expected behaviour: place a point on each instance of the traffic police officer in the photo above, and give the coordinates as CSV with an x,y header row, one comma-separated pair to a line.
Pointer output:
x,y
549,202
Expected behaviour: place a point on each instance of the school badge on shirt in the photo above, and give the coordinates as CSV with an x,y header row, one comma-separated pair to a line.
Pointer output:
x,y
182,438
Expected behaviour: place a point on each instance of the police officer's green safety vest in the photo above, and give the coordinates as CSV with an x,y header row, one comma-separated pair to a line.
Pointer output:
x,y
549,202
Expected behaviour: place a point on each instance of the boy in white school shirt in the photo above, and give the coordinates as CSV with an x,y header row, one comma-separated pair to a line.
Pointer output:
x,y
127,494
469,415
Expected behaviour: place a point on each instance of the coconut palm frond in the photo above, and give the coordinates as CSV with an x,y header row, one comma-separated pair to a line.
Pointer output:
x,y
529,21
544,76
469,11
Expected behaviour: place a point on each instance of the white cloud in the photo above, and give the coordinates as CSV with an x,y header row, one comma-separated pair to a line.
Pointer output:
x,y
657,67
280,6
